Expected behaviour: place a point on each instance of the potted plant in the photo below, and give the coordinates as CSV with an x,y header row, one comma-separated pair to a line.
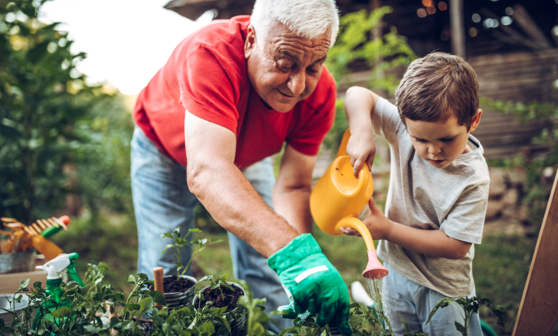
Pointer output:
x,y
180,289
224,295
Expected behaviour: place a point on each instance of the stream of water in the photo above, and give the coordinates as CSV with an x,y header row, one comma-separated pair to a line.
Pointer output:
x,y
375,288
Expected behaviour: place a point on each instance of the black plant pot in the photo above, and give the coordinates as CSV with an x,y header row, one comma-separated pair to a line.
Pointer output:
x,y
236,317
183,298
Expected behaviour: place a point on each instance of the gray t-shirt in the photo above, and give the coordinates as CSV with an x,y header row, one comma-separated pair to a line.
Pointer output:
x,y
453,199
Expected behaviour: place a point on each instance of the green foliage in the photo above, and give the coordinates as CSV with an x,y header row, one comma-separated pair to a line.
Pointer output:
x,y
365,321
103,160
51,120
109,238
258,321
467,307
536,189
217,283
381,54
88,313
186,241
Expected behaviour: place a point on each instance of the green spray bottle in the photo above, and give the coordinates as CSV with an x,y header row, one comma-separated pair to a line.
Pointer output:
x,y
53,290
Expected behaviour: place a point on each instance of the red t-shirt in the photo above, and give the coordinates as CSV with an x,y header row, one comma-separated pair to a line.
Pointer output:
x,y
206,75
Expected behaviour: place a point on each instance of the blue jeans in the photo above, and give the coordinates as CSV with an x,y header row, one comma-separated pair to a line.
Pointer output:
x,y
406,299
163,202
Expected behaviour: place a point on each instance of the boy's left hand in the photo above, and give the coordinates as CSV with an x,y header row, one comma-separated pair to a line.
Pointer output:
x,y
377,223
361,149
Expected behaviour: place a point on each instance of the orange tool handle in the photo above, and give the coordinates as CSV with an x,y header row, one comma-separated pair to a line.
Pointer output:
x,y
158,277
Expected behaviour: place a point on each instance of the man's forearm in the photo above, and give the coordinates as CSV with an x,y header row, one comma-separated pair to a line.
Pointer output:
x,y
294,206
237,207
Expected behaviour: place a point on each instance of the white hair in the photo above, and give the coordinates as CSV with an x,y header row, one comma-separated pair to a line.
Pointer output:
x,y
306,18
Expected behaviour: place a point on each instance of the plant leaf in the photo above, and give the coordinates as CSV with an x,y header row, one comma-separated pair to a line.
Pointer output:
x,y
132,306
460,328
441,304
146,304
159,298
23,285
62,312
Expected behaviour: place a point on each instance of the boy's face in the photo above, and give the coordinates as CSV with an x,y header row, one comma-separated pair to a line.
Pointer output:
x,y
440,142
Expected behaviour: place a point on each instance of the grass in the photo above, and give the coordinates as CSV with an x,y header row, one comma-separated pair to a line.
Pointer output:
x,y
500,269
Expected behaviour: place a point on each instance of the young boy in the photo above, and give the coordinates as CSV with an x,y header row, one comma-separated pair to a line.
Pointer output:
x,y
438,191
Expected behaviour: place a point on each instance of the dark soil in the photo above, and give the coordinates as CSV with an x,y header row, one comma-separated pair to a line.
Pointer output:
x,y
171,285
228,299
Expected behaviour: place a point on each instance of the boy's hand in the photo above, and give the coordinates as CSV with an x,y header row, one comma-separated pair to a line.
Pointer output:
x,y
361,149
377,223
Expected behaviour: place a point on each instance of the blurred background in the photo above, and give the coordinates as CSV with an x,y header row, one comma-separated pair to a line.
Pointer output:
x,y
70,71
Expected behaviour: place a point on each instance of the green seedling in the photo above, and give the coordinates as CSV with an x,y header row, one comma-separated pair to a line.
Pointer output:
x,y
467,307
196,245
217,282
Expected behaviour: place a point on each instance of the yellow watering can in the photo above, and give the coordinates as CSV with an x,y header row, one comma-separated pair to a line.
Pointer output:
x,y
339,198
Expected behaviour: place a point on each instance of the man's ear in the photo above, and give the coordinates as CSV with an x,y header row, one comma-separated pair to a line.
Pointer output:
x,y
475,121
250,42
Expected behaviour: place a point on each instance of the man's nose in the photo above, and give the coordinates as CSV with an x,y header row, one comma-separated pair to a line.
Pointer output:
x,y
297,82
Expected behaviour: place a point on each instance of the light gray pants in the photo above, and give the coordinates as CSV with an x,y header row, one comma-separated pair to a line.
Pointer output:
x,y
406,299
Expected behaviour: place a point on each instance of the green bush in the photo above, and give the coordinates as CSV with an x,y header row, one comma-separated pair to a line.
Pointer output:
x,y
44,115
381,55
103,160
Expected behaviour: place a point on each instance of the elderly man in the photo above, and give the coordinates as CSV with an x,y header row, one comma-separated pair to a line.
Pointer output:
x,y
230,95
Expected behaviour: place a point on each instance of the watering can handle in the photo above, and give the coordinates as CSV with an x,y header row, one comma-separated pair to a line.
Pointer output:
x,y
343,146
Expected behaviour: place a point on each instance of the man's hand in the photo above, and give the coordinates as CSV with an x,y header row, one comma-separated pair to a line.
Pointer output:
x,y
361,148
312,283
377,223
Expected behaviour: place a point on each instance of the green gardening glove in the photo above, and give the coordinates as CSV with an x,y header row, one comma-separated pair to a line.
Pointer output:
x,y
312,283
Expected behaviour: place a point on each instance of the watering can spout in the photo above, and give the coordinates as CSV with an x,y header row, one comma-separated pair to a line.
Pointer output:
x,y
339,198
374,270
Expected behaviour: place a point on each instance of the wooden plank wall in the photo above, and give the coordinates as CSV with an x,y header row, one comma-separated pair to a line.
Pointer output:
x,y
522,76
519,77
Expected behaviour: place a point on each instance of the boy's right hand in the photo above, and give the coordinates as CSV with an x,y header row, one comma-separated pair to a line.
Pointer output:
x,y
361,149
377,223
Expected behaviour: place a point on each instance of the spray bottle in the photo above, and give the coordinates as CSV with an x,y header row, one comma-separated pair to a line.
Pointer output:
x,y
53,290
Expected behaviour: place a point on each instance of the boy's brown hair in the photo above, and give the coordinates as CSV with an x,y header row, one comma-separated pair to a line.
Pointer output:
x,y
436,87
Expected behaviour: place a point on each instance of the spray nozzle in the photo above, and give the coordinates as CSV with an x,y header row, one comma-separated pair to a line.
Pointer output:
x,y
61,263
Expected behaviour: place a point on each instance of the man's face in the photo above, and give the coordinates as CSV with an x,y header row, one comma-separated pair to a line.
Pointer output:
x,y
440,142
283,67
